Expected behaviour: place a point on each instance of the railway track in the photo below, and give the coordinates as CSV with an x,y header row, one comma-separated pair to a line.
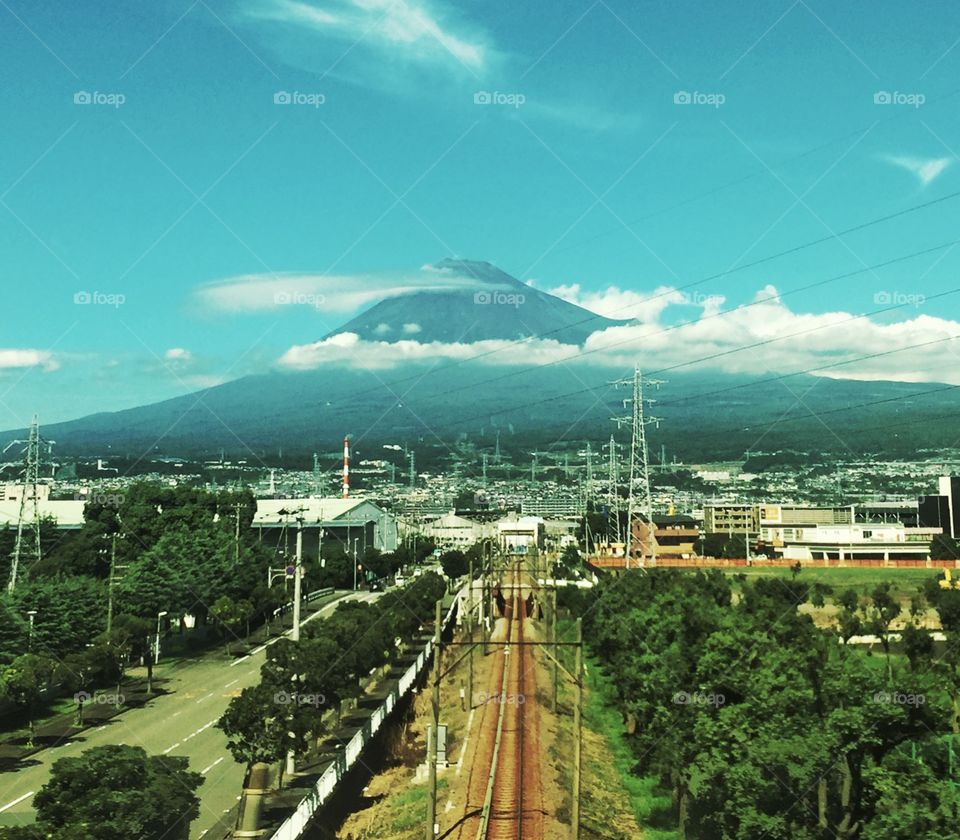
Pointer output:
x,y
507,761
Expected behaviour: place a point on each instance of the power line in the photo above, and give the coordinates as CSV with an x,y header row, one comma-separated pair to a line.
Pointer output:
x,y
769,379
838,410
750,176
646,337
716,355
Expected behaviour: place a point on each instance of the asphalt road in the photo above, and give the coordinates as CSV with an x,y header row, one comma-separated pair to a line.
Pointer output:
x,y
181,722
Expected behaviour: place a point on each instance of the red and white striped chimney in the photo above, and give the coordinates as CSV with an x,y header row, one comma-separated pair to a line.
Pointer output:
x,y
346,467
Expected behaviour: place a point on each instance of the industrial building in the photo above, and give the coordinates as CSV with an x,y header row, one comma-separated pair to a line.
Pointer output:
x,y
354,523
453,531
674,536
520,534
880,531
750,519
848,542
942,510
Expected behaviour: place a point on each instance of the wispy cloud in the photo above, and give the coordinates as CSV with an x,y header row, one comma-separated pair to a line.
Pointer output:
x,y
406,30
926,170
333,293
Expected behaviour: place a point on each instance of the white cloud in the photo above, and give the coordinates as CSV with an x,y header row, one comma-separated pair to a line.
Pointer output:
x,y
350,349
622,304
924,169
178,355
412,329
409,30
13,359
789,342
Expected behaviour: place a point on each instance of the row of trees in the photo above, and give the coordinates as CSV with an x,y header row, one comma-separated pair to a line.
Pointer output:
x,y
763,725
300,680
175,550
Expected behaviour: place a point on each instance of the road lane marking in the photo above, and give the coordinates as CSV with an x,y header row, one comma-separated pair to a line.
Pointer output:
x,y
205,698
208,769
171,748
16,801
232,683
238,661
201,729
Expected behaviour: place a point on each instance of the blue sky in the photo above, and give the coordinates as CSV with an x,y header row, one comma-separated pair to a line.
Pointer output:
x,y
183,171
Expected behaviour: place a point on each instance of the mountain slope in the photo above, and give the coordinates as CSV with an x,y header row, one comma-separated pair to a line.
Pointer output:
x,y
305,412
706,415
493,305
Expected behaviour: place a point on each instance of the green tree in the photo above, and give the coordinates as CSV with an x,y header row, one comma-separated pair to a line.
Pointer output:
x,y
454,563
231,615
255,726
849,618
884,610
116,792
24,683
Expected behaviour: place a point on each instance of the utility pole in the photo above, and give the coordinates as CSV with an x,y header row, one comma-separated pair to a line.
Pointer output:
x,y
434,731
553,638
236,538
355,561
470,637
295,631
297,582
113,565
577,733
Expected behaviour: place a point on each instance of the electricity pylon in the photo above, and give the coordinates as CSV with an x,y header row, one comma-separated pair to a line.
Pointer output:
x,y
27,546
639,499
613,493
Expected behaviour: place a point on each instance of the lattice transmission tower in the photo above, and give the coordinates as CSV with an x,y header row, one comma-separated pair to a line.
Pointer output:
x,y
639,498
36,456
613,492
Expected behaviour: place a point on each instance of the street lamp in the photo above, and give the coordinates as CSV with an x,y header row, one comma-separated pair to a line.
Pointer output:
x,y
156,647
30,615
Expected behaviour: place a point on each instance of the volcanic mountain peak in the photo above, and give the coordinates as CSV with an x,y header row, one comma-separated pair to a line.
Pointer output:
x,y
479,271
484,303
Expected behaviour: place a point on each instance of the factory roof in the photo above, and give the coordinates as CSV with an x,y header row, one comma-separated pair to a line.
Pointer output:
x,y
313,510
